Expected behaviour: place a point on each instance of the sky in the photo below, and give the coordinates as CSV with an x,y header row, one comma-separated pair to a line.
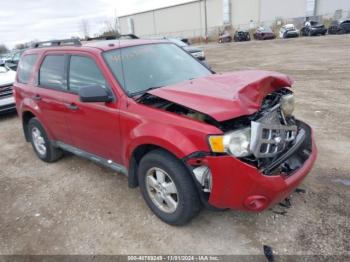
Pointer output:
x,y
26,20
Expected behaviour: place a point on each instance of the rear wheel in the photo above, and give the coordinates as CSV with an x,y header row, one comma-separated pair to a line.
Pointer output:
x,y
41,143
167,188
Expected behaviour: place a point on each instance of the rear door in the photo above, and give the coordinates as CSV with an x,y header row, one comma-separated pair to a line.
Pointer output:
x,y
49,94
94,127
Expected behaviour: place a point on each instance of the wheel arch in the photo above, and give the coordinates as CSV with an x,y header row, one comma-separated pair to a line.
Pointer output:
x,y
26,116
138,153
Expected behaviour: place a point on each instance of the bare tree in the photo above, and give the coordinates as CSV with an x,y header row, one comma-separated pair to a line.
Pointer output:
x,y
85,28
111,27
3,49
20,46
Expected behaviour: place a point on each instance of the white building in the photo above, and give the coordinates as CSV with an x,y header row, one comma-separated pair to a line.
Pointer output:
x,y
189,19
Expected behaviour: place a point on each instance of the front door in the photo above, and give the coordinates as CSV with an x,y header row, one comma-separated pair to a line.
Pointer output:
x,y
94,127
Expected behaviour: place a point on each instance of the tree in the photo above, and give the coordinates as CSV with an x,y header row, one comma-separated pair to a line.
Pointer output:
x,y
3,49
110,30
111,27
20,46
85,28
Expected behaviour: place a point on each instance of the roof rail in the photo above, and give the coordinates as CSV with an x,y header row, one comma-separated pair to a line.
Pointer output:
x,y
63,42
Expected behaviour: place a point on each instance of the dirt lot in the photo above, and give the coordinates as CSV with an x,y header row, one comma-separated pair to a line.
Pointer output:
x,y
77,207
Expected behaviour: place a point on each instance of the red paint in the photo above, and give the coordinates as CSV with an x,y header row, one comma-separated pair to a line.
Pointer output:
x,y
114,130
235,183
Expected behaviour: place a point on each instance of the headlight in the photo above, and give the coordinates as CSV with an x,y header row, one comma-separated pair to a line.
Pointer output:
x,y
236,143
288,104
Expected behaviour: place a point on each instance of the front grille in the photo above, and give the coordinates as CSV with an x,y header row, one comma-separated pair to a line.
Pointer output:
x,y
6,91
269,136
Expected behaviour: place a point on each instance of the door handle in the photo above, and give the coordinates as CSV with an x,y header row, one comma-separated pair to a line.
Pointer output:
x,y
73,106
36,97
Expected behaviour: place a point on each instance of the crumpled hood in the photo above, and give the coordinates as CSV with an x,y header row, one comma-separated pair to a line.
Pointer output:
x,y
225,96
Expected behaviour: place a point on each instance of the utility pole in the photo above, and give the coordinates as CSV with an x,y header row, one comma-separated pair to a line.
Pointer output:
x,y
206,21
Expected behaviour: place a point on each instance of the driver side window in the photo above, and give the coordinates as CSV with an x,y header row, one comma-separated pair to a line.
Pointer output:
x,y
83,72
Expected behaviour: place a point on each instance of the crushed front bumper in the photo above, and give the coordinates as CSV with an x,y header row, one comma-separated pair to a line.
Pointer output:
x,y
238,185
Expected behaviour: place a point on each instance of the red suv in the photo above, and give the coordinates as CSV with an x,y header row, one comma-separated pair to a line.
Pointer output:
x,y
147,109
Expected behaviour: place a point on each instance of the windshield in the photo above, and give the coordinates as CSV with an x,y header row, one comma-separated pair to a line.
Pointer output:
x,y
142,67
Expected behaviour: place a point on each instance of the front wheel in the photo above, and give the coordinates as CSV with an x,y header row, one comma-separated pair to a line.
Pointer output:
x,y
168,188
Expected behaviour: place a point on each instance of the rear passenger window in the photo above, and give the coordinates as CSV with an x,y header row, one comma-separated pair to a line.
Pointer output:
x,y
83,72
52,72
25,68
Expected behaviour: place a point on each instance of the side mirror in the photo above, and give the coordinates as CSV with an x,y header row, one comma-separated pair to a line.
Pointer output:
x,y
93,94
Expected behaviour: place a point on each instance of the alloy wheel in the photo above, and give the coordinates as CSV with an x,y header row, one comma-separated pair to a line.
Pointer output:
x,y
162,190
39,141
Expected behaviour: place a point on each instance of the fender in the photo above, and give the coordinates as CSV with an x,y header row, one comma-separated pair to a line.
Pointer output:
x,y
167,137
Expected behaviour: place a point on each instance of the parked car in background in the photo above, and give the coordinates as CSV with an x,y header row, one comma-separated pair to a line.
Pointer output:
x,y
339,27
126,37
194,51
13,59
225,37
3,58
313,28
186,136
7,78
241,36
289,31
264,33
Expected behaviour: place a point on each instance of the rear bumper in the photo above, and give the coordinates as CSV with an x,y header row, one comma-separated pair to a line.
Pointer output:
x,y
238,185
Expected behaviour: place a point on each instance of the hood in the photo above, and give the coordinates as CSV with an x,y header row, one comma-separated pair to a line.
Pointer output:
x,y
225,96
7,77
192,49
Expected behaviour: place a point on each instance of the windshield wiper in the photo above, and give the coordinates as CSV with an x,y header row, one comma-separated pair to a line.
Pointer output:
x,y
144,91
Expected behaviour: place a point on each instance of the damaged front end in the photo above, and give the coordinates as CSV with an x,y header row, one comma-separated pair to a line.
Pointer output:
x,y
257,161
278,143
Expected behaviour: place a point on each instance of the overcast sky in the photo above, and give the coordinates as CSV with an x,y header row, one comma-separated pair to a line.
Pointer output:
x,y
26,20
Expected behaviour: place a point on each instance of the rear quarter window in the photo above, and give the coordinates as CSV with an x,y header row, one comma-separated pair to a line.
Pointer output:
x,y
25,68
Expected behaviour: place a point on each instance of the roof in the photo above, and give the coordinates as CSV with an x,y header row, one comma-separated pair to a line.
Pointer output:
x,y
99,45
106,45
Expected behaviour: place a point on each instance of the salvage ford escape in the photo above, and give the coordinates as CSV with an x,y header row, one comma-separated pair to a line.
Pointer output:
x,y
188,137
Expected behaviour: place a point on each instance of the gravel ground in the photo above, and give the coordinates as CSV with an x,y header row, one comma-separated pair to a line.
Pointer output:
x,y
77,207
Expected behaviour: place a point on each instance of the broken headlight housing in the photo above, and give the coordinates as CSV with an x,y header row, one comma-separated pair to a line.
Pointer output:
x,y
235,143
287,104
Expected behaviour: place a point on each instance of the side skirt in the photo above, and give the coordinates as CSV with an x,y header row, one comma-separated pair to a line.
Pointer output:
x,y
97,159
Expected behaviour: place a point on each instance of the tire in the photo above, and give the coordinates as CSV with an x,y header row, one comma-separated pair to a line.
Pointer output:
x,y
153,167
39,138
